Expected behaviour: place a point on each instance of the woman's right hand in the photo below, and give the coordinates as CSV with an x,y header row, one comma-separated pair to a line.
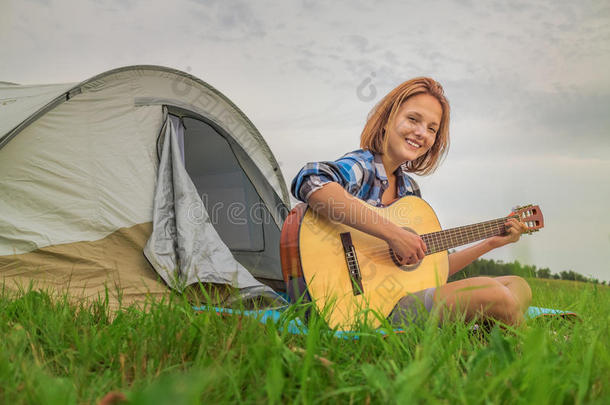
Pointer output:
x,y
407,246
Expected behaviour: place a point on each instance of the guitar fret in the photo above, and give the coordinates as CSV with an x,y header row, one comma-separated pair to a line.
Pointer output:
x,y
450,238
453,238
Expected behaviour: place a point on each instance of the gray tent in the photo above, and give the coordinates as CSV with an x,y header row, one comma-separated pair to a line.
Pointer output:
x,y
141,158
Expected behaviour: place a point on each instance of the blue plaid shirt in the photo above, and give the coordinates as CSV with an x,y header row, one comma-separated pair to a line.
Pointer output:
x,y
360,173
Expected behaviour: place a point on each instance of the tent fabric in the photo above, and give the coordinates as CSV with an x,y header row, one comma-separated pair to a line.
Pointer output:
x,y
69,148
89,163
18,103
78,173
112,267
184,251
226,180
148,86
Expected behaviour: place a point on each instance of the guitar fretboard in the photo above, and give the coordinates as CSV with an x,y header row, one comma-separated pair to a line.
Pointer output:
x,y
463,235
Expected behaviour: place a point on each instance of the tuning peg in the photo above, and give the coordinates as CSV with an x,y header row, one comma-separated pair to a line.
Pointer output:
x,y
518,208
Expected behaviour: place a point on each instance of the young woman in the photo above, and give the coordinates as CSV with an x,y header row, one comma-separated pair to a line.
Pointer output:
x,y
408,132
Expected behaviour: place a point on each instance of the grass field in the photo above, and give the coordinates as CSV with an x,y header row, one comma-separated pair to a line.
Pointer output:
x,y
54,352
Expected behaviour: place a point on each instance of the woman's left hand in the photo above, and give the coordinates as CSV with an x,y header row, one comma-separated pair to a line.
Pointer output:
x,y
514,230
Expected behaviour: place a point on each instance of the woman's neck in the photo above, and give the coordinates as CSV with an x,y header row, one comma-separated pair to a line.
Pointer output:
x,y
389,164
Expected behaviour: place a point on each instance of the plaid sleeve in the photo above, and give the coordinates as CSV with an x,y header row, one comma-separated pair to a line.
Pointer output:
x,y
346,171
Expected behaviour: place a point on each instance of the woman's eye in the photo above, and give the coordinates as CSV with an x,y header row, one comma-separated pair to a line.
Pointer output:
x,y
412,119
432,131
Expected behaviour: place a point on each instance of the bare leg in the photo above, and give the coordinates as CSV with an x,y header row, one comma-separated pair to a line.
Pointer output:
x,y
519,288
503,298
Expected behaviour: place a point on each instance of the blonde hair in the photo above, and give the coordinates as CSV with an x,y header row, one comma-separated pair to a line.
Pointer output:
x,y
373,135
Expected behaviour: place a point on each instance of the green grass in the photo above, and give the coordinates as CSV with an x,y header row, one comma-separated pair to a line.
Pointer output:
x,y
55,352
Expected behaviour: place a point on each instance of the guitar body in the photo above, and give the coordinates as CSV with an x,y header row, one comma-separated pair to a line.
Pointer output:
x,y
313,246
347,273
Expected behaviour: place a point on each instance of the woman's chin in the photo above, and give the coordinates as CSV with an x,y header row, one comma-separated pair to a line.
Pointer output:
x,y
410,155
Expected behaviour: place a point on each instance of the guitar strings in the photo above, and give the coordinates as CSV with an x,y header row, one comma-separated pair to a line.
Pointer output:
x,y
442,240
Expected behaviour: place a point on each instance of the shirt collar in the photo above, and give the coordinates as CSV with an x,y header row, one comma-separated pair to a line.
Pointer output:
x,y
380,169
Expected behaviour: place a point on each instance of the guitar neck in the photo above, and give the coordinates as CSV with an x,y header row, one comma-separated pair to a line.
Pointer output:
x,y
463,235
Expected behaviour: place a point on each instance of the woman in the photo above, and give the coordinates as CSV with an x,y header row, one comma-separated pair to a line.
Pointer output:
x,y
408,132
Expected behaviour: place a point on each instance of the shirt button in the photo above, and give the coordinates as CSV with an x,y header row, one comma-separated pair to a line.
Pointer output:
x,y
385,182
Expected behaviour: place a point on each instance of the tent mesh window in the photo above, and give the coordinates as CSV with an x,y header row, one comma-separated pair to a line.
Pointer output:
x,y
226,191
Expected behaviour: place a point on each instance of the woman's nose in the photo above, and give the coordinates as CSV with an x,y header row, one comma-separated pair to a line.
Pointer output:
x,y
420,129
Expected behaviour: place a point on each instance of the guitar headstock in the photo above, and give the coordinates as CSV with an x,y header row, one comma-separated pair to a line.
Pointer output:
x,y
530,215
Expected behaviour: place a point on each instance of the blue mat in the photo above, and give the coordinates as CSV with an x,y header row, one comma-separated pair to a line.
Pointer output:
x,y
297,327
536,312
294,326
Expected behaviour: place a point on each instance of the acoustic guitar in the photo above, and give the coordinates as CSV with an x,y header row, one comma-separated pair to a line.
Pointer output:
x,y
348,273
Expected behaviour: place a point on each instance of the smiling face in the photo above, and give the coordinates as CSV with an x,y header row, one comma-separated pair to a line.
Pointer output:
x,y
413,131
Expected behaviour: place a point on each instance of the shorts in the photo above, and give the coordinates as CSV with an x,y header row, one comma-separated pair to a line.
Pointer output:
x,y
413,308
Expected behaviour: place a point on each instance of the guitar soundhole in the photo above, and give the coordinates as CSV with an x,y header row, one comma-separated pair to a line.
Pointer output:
x,y
394,256
404,267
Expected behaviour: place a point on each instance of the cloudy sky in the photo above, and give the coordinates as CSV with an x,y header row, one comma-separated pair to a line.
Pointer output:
x,y
528,85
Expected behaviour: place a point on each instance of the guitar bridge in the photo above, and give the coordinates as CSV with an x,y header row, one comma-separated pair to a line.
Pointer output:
x,y
352,263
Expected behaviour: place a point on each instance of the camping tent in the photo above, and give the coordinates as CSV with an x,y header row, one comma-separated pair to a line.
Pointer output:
x,y
136,158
